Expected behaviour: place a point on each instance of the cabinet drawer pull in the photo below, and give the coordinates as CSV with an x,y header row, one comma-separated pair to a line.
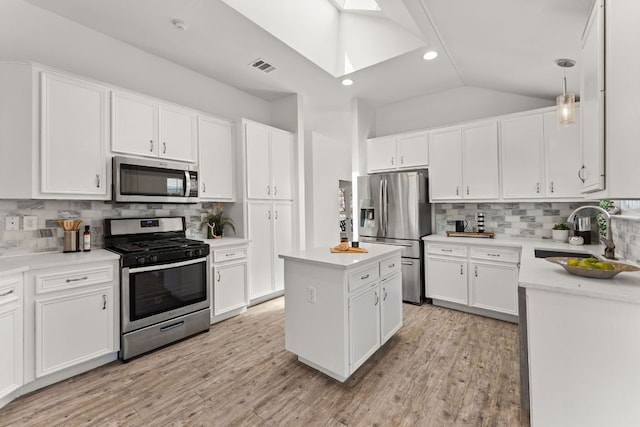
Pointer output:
x,y
218,276
494,255
275,190
385,294
457,191
104,302
377,298
164,148
78,279
151,146
392,265
461,273
365,277
467,190
204,187
580,174
392,161
552,189
175,325
269,214
268,190
4,294
231,254
446,250
538,187
476,271
276,214
97,180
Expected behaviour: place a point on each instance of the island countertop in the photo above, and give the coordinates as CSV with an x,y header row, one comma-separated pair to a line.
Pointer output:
x,y
322,255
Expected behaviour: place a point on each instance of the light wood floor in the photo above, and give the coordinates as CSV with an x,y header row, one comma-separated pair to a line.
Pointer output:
x,y
442,368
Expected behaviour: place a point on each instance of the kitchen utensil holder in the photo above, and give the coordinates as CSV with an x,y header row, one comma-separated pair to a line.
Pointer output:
x,y
71,241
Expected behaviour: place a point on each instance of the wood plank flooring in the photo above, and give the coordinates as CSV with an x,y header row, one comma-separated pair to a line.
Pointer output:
x,y
443,367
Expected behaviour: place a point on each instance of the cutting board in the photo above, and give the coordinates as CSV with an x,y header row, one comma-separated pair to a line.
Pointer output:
x,y
352,250
470,234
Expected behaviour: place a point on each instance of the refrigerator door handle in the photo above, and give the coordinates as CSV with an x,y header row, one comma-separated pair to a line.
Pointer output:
x,y
386,208
380,208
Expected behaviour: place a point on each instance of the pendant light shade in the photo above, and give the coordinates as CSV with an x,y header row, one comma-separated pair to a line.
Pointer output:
x,y
566,103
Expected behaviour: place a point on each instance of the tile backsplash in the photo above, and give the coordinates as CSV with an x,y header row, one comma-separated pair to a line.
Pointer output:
x,y
535,220
49,236
527,220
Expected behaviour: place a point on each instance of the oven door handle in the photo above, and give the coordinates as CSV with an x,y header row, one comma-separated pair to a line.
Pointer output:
x,y
166,266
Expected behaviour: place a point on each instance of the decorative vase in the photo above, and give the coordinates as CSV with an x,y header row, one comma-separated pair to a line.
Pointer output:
x,y
212,229
560,235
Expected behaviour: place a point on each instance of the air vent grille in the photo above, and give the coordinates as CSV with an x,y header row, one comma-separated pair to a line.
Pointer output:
x,y
262,65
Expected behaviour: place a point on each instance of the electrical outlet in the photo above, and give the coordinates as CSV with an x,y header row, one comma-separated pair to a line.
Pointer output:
x,y
29,222
311,294
11,223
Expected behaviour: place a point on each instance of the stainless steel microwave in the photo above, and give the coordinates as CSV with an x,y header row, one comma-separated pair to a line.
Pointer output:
x,y
154,181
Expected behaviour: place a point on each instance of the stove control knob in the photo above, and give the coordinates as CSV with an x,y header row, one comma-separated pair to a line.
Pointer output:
x,y
198,252
153,258
188,253
141,260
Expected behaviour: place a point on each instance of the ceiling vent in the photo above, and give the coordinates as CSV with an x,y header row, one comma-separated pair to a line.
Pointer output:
x,y
262,65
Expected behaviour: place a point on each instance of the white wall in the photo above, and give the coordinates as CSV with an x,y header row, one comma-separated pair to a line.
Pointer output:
x,y
331,162
450,106
31,34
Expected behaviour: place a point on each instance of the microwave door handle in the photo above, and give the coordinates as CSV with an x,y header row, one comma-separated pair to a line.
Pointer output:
x,y
187,187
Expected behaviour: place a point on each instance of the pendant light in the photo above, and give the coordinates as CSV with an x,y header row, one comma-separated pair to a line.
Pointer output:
x,y
566,103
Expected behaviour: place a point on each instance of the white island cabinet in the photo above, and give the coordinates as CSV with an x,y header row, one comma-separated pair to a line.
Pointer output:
x,y
340,308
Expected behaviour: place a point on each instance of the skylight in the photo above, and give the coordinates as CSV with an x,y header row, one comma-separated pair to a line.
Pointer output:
x,y
355,5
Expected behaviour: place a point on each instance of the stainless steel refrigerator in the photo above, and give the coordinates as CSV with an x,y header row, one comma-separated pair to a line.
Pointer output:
x,y
394,210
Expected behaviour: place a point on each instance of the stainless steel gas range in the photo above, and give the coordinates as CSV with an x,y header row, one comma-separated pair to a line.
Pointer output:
x,y
163,278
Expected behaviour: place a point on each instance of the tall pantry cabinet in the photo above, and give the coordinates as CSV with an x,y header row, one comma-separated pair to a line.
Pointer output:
x,y
269,156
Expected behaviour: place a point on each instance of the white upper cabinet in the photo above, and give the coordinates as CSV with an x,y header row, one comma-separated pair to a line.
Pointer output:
x,y
405,151
480,161
522,157
145,127
445,172
269,167
592,101
281,164
216,159
74,134
135,124
562,157
540,158
464,162
177,133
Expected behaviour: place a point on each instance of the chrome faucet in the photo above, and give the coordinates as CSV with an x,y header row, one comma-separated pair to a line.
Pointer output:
x,y
609,250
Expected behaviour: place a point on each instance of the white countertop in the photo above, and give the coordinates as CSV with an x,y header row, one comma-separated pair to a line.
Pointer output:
x,y
225,241
323,256
537,273
21,263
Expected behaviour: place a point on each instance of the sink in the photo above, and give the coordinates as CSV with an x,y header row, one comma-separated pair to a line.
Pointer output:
x,y
544,253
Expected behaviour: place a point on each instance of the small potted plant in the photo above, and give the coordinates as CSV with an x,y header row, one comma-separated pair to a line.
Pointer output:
x,y
216,222
560,233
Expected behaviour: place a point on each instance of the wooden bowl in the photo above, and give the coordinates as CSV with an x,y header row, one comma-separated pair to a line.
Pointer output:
x,y
593,273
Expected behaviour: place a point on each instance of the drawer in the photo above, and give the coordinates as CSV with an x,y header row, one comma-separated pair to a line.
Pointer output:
x,y
389,266
495,254
220,255
10,289
61,278
446,249
362,277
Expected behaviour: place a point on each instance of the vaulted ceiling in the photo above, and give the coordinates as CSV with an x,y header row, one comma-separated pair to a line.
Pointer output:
x,y
504,45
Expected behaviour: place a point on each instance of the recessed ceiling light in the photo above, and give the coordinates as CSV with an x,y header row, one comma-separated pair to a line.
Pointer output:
x,y
429,55
347,82
179,25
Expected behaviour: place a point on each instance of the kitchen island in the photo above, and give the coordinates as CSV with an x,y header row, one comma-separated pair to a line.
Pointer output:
x,y
341,307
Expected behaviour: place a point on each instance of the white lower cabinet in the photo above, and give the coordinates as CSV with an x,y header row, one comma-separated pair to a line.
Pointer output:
x,y
71,316
271,233
391,309
73,327
364,325
229,282
11,334
482,278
